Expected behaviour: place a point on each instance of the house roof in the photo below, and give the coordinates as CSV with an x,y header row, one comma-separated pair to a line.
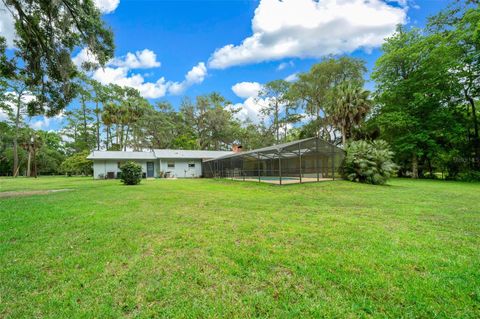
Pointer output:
x,y
120,155
157,153
167,153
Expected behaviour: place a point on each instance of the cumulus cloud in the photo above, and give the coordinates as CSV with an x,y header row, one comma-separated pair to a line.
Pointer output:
x,y
118,71
195,76
308,28
7,26
247,89
36,122
84,56
45,123
41,123
120,76
285,65
139,60
11,98
145,59
250,108
292,77
107,6
3,115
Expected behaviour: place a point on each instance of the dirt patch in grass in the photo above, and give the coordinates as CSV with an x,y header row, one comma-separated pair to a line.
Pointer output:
x,y
30,193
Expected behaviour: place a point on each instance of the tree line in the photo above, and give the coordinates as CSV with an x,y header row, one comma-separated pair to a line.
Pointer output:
x,y
424,105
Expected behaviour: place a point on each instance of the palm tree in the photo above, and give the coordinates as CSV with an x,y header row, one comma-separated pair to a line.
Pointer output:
x,y
349,107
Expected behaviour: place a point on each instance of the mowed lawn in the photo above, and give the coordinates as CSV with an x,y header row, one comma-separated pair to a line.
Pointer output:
x,y
216,248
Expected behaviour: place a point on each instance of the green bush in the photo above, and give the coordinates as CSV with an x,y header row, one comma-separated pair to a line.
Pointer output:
x,y
131,173
472,176
368,162
77,164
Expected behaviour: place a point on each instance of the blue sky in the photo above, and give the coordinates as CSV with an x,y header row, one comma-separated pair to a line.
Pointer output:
x,y
182,36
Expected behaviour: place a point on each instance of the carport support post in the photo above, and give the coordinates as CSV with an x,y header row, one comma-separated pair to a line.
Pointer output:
x,y
231,168
280,166
300,161
316,160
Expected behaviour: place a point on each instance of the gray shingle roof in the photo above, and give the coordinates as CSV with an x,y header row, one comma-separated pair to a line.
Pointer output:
x,y
120,155
165,153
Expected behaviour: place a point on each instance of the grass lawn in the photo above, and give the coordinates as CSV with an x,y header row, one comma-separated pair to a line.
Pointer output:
x,y
211,248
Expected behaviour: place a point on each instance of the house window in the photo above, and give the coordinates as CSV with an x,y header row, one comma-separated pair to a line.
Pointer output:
x,y
119,164
171,165
191,165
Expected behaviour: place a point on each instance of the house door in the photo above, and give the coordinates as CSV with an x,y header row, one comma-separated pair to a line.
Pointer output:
x,y
150,169
190,172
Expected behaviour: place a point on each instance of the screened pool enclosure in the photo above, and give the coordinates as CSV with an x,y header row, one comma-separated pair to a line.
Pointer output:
x,y
308,160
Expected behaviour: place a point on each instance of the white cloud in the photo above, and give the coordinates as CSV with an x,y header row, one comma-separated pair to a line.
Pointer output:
x,y
309,28
285,65
249,109
292,77
11,100
247,89
145,59
121,77
107,6
45,123
3,115
7,27
84,56
195,76
118,72
39,124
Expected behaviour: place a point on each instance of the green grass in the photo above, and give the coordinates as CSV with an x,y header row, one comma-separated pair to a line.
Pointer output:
x,y
211,248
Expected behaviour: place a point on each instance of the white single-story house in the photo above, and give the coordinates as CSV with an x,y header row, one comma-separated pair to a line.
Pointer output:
x,y
155,163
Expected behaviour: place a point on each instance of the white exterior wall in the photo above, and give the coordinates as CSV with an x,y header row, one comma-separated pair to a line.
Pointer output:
x,y
181,169
105,166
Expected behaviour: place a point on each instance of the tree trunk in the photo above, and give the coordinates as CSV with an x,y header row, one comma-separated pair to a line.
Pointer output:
x,y
344,137
85,134
108,137
318,122
29,160
476,140
97,113
414,166
15,138
34,157
285,129
126,139
277,129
